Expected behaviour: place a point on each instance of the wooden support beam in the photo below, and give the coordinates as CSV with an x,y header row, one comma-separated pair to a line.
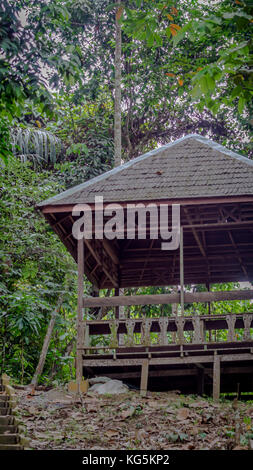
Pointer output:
x,y
162,299
195,234
238,254
79,325
110,251
100,263
182,270
216,377
50,209
147,258
61,220
144,377
166,360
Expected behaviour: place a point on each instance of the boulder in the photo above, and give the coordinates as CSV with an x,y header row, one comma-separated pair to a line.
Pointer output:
x,y
99,380
110,387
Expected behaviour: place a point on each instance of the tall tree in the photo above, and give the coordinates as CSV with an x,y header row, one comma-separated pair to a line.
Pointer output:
x,y
117,91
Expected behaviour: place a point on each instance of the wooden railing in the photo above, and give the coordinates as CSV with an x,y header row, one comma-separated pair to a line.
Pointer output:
x,y
163,299
164,331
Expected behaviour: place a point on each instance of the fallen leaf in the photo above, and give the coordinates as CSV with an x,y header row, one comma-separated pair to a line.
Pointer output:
x,y
194,430
111,432
199,404
140,435
170,411
183,413
92,408
190,446
128,413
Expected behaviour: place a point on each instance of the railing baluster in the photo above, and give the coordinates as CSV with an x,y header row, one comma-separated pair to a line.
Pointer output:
x,y
163,324
180,321
247,320
114,325
130,325
198,329
145,332
231,319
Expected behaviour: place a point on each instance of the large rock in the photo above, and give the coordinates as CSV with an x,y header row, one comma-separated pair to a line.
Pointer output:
x,y
111,387
99,380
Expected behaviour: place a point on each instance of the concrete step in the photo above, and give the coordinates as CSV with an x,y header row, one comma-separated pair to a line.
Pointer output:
x,y
4,399
4,404
11,447
4,411
8,428
9,439
6,420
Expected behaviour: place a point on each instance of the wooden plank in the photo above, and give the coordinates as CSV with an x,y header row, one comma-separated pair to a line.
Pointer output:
x,y
216,377
162,299
144,377
152,373
202,359
186,201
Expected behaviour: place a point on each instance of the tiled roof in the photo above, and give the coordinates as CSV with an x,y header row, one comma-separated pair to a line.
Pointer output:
x,y
190,167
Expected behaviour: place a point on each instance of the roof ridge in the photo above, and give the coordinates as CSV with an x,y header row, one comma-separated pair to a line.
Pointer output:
x,y
104,176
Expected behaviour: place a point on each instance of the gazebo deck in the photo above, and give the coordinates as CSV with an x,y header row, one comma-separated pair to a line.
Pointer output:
x,y
191,369
188,348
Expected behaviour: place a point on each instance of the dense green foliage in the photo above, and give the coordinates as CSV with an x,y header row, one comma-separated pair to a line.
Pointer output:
x,y
56,117
218,37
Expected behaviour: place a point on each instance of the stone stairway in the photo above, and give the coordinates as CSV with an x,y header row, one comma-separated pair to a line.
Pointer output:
x,y
9,434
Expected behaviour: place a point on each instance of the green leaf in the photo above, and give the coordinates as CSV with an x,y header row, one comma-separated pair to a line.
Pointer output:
x,y
241,104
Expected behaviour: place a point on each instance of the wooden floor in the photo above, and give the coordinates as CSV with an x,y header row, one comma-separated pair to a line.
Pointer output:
x,y
192,368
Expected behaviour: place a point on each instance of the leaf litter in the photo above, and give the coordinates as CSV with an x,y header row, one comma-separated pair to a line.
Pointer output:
x,y
160,421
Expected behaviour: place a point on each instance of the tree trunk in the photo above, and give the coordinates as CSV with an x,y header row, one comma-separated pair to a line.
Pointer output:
x,y
117,92
117,109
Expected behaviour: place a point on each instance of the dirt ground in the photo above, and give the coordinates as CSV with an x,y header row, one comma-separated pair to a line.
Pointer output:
x,y
55,419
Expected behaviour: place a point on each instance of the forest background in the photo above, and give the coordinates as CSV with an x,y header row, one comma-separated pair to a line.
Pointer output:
x,y
186,67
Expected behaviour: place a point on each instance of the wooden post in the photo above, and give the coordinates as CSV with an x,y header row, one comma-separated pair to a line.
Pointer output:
x,y
86,334
201,380
79,324
216,377
144,377
209,313
116,308
120,314
182,270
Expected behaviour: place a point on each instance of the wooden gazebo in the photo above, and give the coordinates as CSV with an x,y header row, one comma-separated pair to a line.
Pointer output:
x,y
214,188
